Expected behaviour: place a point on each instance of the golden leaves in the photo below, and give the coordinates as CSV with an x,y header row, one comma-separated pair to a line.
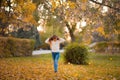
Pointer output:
x,y
117,31
20,9
27,9
118,24
56,3
100,30
84,1
102,66
3,16
83,6
28,18
71,4
53,4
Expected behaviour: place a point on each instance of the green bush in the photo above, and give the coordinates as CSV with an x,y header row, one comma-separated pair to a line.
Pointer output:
x,y
15,47
76,54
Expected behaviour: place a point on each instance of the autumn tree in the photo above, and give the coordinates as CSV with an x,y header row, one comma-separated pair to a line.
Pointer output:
x,y
58,9
110,18
17,19
71,12
17,13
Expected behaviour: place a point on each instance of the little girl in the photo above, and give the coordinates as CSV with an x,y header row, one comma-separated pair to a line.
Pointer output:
x,y
54,43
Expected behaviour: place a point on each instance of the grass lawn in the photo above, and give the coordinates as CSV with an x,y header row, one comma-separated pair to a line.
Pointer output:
x,y
101,67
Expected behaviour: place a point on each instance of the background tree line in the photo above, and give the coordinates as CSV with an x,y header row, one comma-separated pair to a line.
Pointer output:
x,y
21,15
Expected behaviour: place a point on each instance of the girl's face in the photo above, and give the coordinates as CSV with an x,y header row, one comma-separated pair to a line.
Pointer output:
x,y
55,39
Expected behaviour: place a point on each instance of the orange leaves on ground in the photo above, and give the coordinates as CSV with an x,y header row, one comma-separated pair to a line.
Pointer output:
x,y
41,68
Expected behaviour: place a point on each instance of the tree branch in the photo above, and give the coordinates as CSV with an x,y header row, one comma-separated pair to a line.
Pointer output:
x,y
117,9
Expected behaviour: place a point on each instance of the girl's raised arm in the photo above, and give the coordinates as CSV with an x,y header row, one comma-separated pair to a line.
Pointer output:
x,y
47,41
61,40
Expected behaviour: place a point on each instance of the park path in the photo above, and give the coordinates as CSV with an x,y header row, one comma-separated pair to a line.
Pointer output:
x,y
37,52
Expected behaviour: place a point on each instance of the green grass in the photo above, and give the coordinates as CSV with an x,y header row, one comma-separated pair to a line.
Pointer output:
x,y
40,67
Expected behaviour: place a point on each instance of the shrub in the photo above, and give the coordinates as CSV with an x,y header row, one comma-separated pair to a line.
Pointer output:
x,y
32,33
107,47
15,47
76,54
4,47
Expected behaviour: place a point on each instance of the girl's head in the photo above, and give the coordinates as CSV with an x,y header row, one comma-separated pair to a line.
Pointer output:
x,y
54,38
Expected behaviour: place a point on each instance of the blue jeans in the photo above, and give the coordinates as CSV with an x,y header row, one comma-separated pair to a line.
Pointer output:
x,y
55,56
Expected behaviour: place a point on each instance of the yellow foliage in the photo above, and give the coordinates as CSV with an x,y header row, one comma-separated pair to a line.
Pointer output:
x,y
100,30
29,18
18,9
84,1
116,32
83,6
67,13
28,8
118,24
22,8
19,1
75,75
3,16
107,35
14,16
53,5
41,68
71,4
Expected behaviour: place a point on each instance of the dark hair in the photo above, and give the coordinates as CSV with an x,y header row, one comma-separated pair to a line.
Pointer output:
x,y
53,37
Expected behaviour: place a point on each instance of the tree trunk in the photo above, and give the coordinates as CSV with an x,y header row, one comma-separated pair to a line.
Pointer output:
x,y
70,32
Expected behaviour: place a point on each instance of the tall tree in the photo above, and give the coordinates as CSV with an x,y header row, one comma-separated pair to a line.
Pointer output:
x,y
71,12
15,12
